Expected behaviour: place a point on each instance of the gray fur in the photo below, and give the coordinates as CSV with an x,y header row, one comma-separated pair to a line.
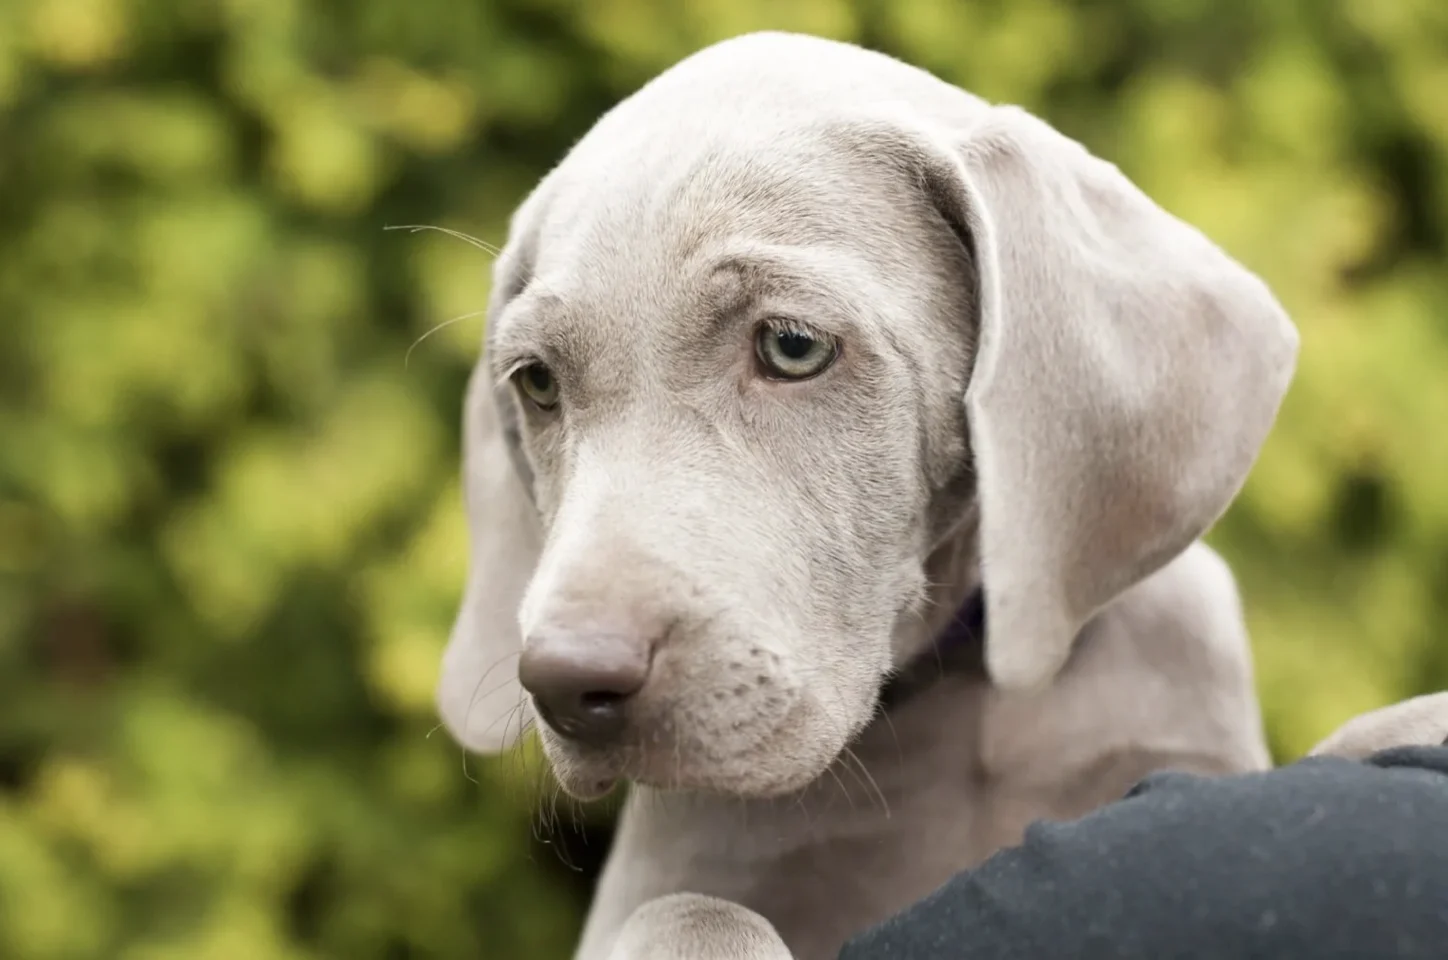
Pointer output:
x,y
1048,387
1422,720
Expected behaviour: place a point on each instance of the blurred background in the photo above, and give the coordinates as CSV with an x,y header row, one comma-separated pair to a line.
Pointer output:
x,y
230,532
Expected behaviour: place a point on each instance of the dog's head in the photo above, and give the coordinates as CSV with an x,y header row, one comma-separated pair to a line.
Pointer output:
x,y
783,327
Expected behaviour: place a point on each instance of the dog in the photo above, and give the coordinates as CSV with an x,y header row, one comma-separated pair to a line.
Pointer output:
x,y
836,470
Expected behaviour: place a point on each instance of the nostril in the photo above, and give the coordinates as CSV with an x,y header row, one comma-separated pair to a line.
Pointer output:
x,y
581,684
602,714
595,717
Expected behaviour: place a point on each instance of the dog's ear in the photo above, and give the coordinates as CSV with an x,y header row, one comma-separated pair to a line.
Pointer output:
x,y
1127,373
1421,721
479,697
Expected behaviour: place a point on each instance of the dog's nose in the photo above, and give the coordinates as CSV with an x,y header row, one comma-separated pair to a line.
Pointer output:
x,y
581,682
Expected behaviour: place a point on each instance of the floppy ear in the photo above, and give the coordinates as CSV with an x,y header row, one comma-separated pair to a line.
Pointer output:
x,y
479,697
1127,373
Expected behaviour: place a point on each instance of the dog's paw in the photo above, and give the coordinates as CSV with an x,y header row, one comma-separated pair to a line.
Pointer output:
x,y
696,927
1421,721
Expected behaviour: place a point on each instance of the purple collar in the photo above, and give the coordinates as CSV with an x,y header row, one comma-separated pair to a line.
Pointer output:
x,y
959,647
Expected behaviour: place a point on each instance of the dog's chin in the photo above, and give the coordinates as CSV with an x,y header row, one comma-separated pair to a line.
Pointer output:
x,y
781,762
759,779
584,782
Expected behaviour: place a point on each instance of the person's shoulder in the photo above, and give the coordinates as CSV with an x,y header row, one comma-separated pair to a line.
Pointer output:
x,y
1307,771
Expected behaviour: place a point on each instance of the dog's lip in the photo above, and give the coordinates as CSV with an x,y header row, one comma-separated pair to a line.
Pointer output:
x,y
592,778
590,775
587,773
588,785
647,759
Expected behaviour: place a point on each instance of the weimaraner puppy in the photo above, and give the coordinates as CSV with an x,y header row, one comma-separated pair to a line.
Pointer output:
x,y
835,471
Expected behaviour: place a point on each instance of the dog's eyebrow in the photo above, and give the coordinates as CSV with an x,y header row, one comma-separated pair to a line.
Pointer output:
x,y
793,282
522,333
780,279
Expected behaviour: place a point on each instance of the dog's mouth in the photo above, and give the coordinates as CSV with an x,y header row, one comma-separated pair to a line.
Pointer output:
x,y
778,749
763,739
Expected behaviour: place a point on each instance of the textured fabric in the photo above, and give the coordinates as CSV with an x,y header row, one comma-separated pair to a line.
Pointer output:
x,y
1326,858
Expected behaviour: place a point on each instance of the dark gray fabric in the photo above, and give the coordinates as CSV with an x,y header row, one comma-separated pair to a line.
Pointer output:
x,y
1325,859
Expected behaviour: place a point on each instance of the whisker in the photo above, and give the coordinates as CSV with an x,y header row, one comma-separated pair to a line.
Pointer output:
x,y
849,798
520,752
854,757
895,736
517,711
406,357
556,824
846,759
543,799
467,238
799,802
535,818
495,689
477,687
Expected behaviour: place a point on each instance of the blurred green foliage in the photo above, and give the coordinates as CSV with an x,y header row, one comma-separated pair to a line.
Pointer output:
x,y
230,532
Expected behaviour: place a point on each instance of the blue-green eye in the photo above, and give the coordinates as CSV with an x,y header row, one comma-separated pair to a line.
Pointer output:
x,y
537,383
790,354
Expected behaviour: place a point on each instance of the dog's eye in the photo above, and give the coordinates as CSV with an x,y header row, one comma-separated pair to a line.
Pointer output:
x,y
791,354
538,384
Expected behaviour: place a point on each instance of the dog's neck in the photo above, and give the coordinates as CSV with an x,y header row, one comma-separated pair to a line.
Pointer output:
x,y
880,795
906,802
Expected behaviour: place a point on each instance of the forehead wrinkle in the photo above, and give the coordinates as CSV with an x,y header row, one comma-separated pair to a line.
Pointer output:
x,y
788,280
531,327
788,185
